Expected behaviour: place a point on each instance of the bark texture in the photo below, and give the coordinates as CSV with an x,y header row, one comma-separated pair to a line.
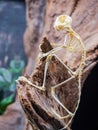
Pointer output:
x,y
37,104
13,118
35,10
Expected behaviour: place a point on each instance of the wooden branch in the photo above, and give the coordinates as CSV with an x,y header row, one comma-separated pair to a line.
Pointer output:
x,y
37,104
35,12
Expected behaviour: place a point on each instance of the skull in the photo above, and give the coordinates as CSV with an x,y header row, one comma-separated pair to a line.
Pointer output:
x,y
62,22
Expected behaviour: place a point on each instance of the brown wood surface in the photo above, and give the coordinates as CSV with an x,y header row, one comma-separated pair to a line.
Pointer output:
x,y
37,104
13,118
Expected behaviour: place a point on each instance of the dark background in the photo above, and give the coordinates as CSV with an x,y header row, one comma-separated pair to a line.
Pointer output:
x,y
86,117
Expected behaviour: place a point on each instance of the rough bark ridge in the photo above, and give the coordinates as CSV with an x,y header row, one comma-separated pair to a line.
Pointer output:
x,y
37,104
35,10
13,118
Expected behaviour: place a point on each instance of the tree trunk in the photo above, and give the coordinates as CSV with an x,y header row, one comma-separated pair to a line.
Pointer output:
x,y
40,18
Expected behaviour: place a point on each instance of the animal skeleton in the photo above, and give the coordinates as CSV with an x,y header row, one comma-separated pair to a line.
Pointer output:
x,y
62,22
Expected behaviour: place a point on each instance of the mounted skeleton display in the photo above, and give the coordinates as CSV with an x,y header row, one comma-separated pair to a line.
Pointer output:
x,y
73,44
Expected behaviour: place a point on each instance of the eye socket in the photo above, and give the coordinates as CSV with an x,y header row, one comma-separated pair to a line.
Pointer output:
x,y
62,18
62,22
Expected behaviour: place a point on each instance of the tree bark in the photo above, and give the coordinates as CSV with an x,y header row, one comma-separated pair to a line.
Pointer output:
x,y
37,104
13,118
